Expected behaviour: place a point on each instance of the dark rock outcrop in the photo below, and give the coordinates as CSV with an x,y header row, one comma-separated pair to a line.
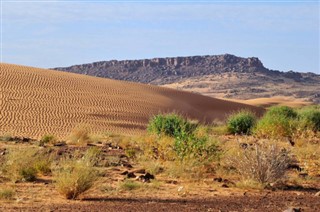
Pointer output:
x,y
167,70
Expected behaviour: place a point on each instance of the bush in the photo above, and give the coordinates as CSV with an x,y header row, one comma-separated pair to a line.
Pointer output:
x,y
264,164
171,125
190,139
309,119
241,122
278,122
200,148
282,111
74,176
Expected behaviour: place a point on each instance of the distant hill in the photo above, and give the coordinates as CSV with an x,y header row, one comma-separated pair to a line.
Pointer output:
x,y
35,102
225,76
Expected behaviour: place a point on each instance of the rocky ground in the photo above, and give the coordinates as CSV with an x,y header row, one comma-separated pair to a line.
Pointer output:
x,y
162,194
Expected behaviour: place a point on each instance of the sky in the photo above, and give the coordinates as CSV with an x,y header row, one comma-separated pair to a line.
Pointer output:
x,y
284,35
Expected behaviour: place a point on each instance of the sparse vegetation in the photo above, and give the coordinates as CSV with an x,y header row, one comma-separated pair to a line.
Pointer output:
x,y
309,118
130,185
80,135
7,193
241,122
278,122
6,137
264,163
20,164
48,139
171,125
75,176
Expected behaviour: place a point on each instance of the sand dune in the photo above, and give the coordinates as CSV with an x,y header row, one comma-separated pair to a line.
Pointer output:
x,y
34,102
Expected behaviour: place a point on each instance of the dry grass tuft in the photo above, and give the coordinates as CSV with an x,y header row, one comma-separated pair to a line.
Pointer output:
x,y
75,176
80,135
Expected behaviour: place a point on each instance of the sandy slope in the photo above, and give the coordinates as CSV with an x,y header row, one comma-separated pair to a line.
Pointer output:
x,y
34,102
277,100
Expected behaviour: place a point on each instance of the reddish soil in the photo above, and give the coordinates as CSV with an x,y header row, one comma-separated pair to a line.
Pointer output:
x,y
266,201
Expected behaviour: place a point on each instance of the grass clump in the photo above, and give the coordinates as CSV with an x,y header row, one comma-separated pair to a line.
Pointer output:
x,y
80,135
75,176
265,163
20,164
6,137
241,122
129,185
7,193
278,122
48,139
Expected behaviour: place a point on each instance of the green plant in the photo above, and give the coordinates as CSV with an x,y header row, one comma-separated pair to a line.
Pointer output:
x,y
309,118
283,111
278,122
74,176
241,122
265,163
190,140
130,185
171,125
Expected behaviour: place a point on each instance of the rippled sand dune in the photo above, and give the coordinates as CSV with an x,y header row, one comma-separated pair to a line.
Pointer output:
x,y
34,102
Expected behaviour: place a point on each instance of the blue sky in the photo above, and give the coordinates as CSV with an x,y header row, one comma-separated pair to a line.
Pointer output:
x,y
283,34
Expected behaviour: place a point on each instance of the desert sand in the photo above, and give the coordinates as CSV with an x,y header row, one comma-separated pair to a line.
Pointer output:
x,y
276,100
34,102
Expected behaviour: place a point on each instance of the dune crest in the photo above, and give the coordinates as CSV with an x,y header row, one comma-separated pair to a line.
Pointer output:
x,y
34,102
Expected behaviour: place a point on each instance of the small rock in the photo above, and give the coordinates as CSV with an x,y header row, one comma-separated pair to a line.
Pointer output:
x,y
293,210
131,175
218,179
91,144
60,143
172,182
317,194
146,178
224,185
124,173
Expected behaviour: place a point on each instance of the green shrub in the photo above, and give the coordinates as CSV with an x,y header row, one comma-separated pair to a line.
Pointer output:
x,y
309,118
282,111
74,176
241,122
200,148
190,139
278,122
171,125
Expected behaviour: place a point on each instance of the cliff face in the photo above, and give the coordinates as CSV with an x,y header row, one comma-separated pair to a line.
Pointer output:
x,y
218,76
168,70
